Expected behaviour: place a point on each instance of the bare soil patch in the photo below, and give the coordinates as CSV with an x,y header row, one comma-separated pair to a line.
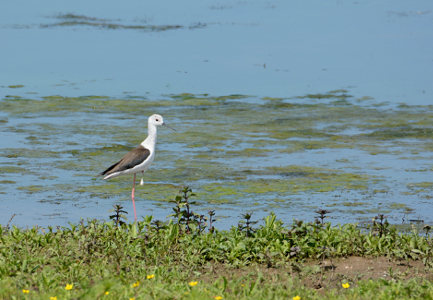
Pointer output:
x,y
323,274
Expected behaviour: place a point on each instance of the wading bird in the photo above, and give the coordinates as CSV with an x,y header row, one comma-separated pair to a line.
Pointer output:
x,y
138,159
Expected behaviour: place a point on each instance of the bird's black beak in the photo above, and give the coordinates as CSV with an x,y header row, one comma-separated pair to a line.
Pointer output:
x,y
164,124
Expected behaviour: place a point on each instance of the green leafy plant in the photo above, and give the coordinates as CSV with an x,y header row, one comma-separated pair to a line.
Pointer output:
x,y
119,215
245,225
186,218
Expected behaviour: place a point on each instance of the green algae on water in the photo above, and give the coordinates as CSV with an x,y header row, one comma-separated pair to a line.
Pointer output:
x,y
15,86
231,149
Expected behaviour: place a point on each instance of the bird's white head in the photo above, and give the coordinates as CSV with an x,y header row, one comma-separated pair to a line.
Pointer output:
x,y
156,120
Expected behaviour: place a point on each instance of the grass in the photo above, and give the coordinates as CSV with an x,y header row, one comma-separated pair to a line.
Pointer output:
x,y
184,258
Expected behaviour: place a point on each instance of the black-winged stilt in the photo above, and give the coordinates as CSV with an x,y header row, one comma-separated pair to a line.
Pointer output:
x,y
138,159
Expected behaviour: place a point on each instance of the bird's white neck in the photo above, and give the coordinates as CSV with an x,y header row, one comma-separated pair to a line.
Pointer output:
x,y
150,141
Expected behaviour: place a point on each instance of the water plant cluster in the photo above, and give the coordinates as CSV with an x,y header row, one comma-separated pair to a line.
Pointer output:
x,y
180,259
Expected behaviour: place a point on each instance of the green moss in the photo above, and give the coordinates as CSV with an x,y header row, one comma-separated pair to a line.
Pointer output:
x,y
249,152
354,204
7,182
419,188
425,184
402,132
398,206
12,169
338,94
16,86
294,180
28,153
31,188
272,99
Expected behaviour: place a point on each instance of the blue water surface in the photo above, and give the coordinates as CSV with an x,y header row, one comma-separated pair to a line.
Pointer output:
x,y
382,49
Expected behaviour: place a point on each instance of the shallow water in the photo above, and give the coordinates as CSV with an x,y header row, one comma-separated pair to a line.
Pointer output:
x,y
238,154
290,107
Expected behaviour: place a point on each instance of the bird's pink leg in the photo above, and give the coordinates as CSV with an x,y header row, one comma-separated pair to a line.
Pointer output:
x,y
132,196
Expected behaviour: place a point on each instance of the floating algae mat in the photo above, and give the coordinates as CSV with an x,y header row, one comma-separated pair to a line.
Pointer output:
x,y
353,157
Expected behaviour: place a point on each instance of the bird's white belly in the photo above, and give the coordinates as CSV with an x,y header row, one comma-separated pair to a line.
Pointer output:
x,y
144,165
141,167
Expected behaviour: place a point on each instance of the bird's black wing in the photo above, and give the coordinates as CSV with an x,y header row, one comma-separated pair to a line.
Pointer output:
x,y
130,160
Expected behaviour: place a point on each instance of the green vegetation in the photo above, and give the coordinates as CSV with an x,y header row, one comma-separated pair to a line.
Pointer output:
x,y
15,86
187,258
236,149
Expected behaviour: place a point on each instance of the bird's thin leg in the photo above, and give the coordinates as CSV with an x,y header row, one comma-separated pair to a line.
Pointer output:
x,y
132,196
